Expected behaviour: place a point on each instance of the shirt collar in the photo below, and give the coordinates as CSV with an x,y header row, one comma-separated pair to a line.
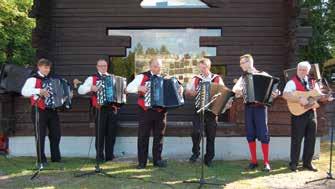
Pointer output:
x,y
40,74
103,74
155,74
206,77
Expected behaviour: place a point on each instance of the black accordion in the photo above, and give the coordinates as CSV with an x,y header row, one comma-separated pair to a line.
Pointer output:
x,y
205,92
60,93
111,90
163,93
258,88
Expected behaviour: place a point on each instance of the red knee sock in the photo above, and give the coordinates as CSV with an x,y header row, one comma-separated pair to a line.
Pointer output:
x,y
252,148
265,149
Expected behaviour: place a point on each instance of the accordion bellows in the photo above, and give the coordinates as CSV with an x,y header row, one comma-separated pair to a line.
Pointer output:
x,y
60,93
163,93
111,90
210,89
258,88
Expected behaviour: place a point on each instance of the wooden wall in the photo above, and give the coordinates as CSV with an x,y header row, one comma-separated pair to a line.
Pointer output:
x,y
73,34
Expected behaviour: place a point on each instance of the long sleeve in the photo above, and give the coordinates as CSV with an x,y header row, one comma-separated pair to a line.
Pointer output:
x,y
238,86
221,81
86,87
133,86
29,89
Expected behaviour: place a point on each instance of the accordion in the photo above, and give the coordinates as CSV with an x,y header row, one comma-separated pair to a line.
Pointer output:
x,y
111,90
257,88
163,93
60,93
205,93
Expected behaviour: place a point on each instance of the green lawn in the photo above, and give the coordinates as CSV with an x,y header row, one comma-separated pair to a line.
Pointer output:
x,y
16,172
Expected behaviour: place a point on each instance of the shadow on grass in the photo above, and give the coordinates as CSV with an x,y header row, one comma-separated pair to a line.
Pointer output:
x,y
125,175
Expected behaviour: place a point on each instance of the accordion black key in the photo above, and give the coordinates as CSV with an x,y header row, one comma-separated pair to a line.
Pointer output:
x,y
60,93
205,93
111,90
257,88
163,93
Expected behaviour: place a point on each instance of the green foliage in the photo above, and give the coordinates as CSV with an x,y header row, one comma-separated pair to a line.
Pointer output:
x,y
124,66
321,18
15,32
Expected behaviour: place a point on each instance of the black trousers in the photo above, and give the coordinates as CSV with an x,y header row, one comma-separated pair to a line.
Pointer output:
x,y
303,126
210,132
106,134
48,119
154,121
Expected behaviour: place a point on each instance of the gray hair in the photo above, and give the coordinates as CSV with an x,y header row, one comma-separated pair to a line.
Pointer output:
x,y
157,61
304,64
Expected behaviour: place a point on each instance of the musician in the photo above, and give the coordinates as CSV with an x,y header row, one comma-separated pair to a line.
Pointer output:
x,y
305,125
149,119
48,118
108,115
210,118
255,117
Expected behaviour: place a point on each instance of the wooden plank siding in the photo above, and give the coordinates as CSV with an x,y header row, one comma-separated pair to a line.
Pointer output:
x,y
73,34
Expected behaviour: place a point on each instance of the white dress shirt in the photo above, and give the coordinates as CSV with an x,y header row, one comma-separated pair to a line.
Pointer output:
x,y
133,86
207,78
29,88
291,87
86,87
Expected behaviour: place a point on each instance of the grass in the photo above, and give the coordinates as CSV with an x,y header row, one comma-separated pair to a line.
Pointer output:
x,y
16,172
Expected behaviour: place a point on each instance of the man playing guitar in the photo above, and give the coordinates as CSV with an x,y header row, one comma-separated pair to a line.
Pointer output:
x,y
299,92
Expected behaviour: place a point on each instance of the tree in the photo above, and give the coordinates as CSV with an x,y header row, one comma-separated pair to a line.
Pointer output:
x,y
139,49
321,18
15,32
164,50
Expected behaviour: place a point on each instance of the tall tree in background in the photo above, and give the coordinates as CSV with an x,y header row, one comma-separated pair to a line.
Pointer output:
x,y
15,32
321,18
331,24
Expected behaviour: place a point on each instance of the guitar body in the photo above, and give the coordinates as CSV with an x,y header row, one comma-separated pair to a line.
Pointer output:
x,y
297,109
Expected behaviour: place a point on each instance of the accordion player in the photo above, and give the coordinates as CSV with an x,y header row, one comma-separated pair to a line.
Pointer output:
x,y
111,90
60,93
163,93
258,88
205,93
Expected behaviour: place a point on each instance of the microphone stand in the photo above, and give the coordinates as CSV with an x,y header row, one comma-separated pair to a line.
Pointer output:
x,y
202,181
39,163
98,170
329,174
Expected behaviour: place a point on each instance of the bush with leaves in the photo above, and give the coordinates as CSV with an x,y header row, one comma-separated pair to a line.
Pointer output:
x,y
15,32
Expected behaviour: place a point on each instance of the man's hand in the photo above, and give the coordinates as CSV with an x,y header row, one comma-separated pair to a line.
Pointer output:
x,y
192,93
238,93
44,93
275,93
142,89
94,88
303,101
180,90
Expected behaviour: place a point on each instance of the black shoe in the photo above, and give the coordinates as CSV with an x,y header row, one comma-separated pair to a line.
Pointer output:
x,y
252,166
209,163
194,158
140,166
293,167
111,158
160,163
310,167
267,168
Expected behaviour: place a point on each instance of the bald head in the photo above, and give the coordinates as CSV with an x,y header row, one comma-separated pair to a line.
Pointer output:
x,y
155,65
